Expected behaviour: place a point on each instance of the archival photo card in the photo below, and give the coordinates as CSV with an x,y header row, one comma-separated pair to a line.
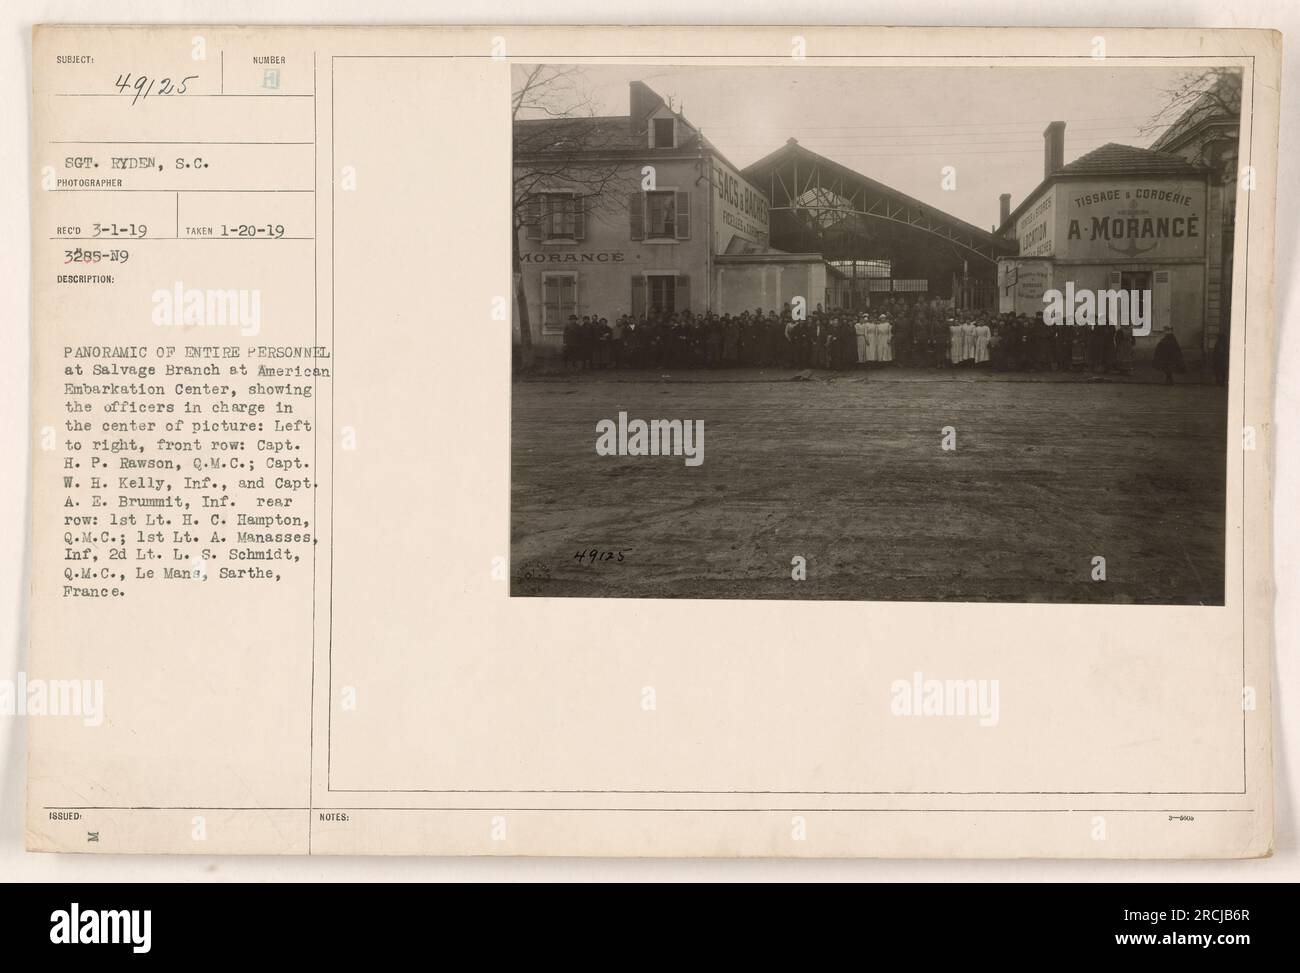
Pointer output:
x,y
607,441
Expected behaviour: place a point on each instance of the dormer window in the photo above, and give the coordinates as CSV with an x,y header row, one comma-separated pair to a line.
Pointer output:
x,y
663,133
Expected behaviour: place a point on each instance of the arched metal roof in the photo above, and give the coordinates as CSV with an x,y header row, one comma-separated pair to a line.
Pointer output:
x,y
812,193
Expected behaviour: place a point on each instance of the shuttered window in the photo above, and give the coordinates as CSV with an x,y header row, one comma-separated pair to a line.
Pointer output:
x,y
559,300
661,289
666,215
661,294
661,215
556,216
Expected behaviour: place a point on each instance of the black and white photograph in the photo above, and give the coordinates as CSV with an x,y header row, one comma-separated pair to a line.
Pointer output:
x,y
932,333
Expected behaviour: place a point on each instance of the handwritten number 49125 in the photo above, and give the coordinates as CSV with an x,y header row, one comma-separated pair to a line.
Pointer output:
x,y
143,86
591,556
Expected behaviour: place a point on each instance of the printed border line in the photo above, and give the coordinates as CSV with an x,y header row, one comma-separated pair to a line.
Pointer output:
x,y
315,439
1245,335
518,58
708,810
363,790
785,58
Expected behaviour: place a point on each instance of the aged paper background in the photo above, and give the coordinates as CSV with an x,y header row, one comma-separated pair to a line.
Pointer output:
x,y
422,555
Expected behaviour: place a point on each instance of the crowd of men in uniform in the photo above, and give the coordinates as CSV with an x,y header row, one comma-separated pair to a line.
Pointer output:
x,y
917,334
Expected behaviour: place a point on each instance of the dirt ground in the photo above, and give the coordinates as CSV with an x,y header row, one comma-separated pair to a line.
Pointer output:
x,y
847,472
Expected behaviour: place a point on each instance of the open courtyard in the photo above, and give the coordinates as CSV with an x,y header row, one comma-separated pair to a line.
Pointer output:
x,y
848,472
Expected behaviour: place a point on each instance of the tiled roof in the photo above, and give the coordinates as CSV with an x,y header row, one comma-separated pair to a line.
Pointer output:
x,y
1113,159
578,135
1110,161
594,134
565,134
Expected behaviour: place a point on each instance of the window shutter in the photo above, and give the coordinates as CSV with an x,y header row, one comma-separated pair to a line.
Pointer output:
x,y
682,293
636,215
1113,281
551,305
533,217
579,217
683,215
638,296
1160,317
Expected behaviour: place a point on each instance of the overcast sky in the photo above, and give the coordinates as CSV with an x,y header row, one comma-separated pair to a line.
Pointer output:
x,y
901,126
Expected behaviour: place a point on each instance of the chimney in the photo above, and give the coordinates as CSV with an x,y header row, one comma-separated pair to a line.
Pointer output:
x,y
641,102
1004,208
1053,148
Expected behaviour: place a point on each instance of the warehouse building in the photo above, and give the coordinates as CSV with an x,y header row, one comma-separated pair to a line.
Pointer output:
x,y
884,243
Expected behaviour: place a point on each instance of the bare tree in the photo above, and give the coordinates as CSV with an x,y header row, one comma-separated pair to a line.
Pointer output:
x,y
1198,96
559,140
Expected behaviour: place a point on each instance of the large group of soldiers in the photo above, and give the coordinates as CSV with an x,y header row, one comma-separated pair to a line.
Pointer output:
x,y
916,334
